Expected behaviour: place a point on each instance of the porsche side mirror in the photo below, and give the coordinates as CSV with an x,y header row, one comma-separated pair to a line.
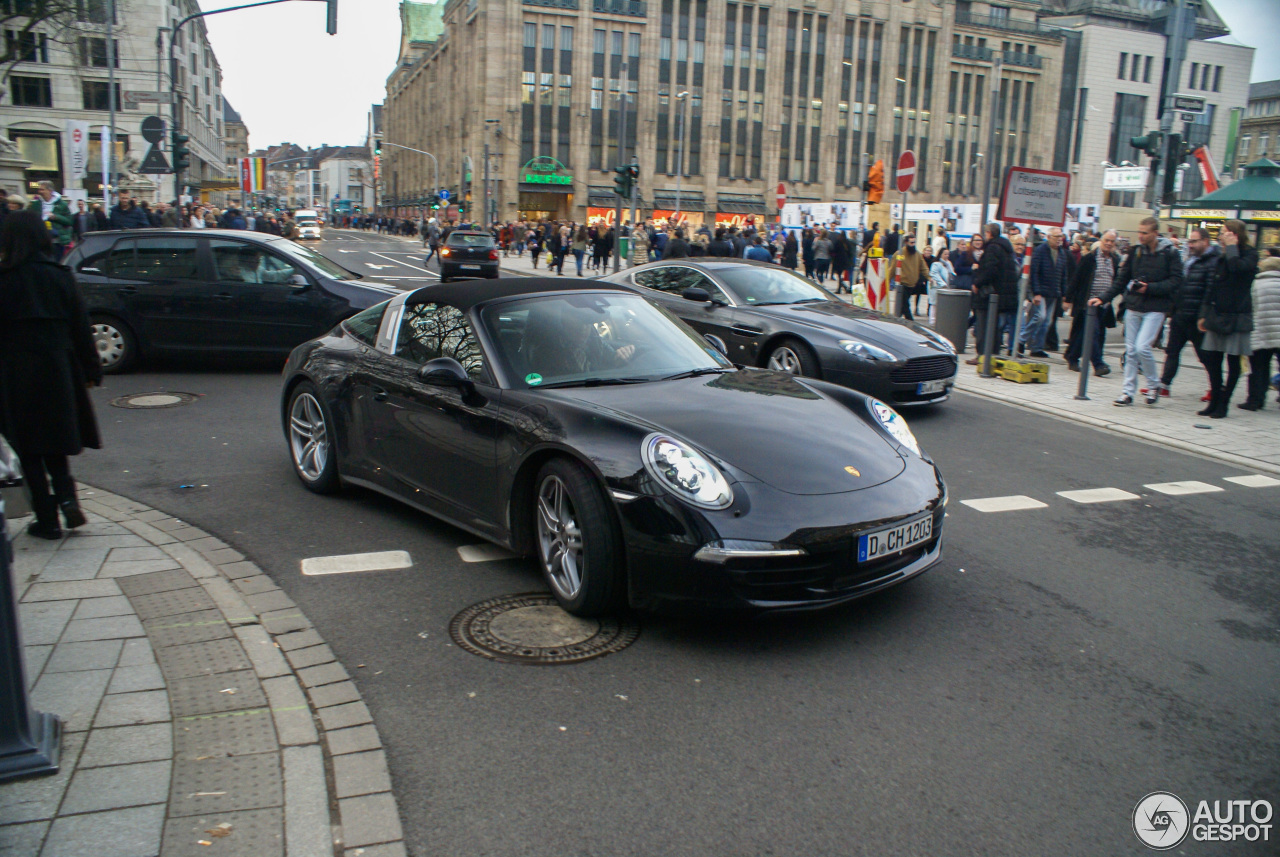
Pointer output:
x,y
299,283
444,372
717,343
697,295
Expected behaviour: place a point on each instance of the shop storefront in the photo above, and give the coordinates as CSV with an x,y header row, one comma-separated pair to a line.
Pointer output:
x,y
546,190
1254,199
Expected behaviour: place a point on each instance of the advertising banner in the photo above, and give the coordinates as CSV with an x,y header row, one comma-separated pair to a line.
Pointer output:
x,y
253,175
805,215
78,135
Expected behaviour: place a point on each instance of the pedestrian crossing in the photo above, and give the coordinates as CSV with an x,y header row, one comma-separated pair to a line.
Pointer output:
x,y
1090,496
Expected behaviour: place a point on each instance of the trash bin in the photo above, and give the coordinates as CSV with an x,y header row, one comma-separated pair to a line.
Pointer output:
x,y
953,316
625,245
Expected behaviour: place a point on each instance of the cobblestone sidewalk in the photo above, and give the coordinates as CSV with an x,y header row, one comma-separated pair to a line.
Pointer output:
x,y
202,713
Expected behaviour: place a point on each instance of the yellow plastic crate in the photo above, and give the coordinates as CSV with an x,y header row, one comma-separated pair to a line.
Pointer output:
x,y
1023,373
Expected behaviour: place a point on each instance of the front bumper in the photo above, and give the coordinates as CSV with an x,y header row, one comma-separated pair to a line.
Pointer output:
x,y
469,269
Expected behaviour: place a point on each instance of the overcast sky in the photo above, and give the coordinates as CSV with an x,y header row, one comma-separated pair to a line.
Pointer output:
x,y
293,82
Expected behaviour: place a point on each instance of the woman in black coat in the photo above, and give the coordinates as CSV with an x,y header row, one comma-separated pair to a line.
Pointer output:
x,y
790,250
1226,316
47,363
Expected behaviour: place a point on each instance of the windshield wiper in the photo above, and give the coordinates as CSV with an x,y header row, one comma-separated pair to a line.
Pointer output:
x,y
812,301
694,373
595,382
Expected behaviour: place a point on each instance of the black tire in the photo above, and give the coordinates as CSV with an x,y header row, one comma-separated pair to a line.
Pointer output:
x,y
794,356
599,560
318,471
116,344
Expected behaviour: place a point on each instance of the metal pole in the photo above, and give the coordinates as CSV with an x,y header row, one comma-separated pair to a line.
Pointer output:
x,y
1086,352
623,97
111,97
488,210
1179,29
683,99
992,108
989,337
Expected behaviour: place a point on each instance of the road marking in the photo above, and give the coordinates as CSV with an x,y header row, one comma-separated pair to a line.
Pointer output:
x,y
346,563
1098,495
484,553
1004,504
1253,481
377,267
397,261
1179,488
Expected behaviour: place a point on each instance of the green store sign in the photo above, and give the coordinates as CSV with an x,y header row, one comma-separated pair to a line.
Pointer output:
x,y
546,170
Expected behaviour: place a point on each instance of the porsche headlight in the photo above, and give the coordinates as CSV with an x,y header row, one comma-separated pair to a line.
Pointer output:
x,y
866,351
686,472
892,422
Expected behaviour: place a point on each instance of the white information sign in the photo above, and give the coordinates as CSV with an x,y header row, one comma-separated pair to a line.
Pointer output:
x,y
1034,196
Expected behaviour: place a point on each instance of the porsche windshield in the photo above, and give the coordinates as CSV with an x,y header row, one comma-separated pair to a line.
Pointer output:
x,y
760,286
594,339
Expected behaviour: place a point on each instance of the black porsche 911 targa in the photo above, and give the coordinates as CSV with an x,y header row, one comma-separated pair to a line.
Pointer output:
x,y
591,428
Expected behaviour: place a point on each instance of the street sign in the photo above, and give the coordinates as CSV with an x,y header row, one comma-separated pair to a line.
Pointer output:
x,y
154,163
153,129
1188,103
444,194
906,170
148,97
1125,178
782,195
1038,197
1189,117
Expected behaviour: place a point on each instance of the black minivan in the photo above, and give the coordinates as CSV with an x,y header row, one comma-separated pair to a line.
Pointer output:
x,y
210,292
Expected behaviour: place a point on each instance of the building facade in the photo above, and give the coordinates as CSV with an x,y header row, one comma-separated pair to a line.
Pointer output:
x,y
64,72
1260,127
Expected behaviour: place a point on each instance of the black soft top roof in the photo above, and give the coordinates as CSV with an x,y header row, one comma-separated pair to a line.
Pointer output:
x,y
465,294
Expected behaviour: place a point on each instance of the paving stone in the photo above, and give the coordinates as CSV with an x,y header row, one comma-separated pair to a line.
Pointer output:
x,y
117,787
95,508
79,543
106,628
96,608
369,820
334,694
148,532
187,628
171,603
137,653
225,785
307,824
223,655
387,849
284,621
342,716
255,584
98,528
124,745
310,656
299,640
160,581
236,733
208,543
131,709
169,524
135,554
120,833
330,673
73,565
268,662
140,566
361,774
294,723
354,740
254,833
236,570
27,564
193,561
64,590
34,658
205,694
188,534
224,556
232,605
43,622
75,657
72,696
22,840
37,798
266,602
152,515
130,679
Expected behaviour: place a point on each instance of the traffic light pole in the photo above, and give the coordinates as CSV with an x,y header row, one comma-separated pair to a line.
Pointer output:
x,y
1179,28
623,97
993,109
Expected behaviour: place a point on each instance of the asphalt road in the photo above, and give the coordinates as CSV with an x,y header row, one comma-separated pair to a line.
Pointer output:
x,y
1061,663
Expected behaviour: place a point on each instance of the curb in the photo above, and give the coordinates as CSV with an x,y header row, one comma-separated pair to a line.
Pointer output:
x,y
269,733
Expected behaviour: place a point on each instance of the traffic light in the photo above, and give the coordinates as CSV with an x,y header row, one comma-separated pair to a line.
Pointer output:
x,y
377,147
634,170
435,202
331,22
622,181
181,154
873,187
1148,143
1177,154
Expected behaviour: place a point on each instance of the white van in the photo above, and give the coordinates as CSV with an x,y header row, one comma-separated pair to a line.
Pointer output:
x,y
309,223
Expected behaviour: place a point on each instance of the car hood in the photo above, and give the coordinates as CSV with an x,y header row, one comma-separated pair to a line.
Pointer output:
x,y
770,426
361,294
899,335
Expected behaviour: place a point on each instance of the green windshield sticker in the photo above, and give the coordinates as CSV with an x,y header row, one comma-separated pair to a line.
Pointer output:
x,y
533,379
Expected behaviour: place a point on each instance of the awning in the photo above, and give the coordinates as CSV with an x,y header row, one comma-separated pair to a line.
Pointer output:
x,y
733,203
527,187
689,200
603,197
1259,190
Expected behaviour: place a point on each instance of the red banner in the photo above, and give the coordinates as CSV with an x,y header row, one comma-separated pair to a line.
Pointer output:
x,y
1208,173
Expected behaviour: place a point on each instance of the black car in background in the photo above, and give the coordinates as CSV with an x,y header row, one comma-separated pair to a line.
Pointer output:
x,y
217,292
770,317
468,253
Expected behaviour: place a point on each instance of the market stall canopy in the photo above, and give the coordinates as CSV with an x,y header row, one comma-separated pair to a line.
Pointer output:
x,y
1259,190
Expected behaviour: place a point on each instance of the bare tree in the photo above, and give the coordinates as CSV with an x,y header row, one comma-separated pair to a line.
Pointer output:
x,y
30,24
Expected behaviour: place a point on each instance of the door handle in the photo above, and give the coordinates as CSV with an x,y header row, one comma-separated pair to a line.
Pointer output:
x,y
223,296
379,394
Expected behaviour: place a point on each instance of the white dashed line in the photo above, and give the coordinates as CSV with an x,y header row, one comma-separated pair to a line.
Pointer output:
x,y
1253,481
1098,495
1004,504
484,553
346,563
1179,488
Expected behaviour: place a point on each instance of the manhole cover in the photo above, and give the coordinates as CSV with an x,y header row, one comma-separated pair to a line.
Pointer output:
x,y
532,629
154,400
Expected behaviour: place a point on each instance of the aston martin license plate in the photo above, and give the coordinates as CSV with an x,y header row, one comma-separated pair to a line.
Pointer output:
x,y
895,539
924,388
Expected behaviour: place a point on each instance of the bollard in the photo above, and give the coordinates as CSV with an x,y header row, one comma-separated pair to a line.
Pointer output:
x,y
1021,314
1086,352
989,337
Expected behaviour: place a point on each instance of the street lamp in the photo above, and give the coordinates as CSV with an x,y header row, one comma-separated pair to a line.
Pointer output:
x,y
683,99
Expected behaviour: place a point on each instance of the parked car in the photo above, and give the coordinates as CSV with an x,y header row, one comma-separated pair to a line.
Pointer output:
x,y
587,426
468,253
153,292
768,316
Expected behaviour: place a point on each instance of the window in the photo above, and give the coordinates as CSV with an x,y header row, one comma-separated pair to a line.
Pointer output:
x,y
1146,71
1124,61
236,262
364,324
1135,67
153,259
1246,143
1217,78
430,331
31,91
93,11
1191,81
93,53
999,13
97,95
1204,77
27,47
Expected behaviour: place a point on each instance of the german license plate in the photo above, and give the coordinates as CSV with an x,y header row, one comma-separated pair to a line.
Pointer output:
x,y
925,388
469,267
895,539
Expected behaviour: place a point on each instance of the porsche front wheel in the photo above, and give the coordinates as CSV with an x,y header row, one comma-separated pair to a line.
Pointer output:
x,y
579,546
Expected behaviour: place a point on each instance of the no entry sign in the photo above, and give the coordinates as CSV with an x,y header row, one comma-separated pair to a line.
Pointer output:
x,y
782,195
906,170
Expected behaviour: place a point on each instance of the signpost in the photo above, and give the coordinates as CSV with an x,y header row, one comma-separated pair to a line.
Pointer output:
x,y
906,175
1188,103
1039,198
782,198
154,163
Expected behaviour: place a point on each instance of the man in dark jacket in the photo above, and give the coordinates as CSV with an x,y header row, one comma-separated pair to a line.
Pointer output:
x,y
720,245
891,241
1093,278
677,247
125,214
1148,279
997,274
1051,268
1197,270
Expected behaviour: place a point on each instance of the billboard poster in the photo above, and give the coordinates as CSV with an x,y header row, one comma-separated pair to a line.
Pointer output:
x,y
806,215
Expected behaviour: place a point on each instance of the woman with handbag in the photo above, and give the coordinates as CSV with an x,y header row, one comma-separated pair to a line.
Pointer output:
x,y
1226,316
47,363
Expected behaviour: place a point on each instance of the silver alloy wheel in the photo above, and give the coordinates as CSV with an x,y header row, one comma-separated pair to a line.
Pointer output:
x,y
783,359
308,437
110,343
559,538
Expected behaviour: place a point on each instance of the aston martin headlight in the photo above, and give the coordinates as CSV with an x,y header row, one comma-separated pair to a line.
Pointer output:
x,y
892,422
865,350
686,472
